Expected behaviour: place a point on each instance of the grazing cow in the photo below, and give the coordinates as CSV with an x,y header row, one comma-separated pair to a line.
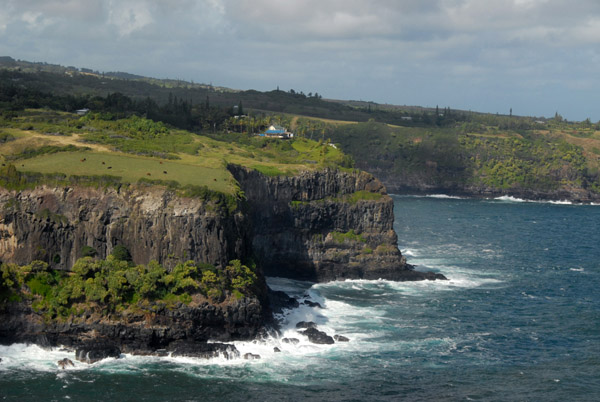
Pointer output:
x,y
160,162
148,174
83,160
164,171
110,167
103,163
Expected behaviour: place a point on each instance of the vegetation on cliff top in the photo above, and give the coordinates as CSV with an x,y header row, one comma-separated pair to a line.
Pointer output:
x,y
116,285
53,147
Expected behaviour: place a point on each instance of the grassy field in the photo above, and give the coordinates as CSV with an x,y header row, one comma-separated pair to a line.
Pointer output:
x,y
135,149
130,168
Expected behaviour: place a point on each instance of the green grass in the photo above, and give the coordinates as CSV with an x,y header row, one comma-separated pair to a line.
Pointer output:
x,y
130,168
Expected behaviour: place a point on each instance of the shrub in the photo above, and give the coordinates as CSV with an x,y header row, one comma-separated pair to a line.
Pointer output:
x,y
87,251
121,253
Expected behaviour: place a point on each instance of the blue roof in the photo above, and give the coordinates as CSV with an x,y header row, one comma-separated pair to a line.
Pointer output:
x,y
275,132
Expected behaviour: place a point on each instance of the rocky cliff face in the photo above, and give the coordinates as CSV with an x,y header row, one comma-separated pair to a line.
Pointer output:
x,y
145,331
323,225
54,224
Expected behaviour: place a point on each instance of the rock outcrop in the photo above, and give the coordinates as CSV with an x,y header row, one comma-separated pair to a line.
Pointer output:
x,y
324,225
148,331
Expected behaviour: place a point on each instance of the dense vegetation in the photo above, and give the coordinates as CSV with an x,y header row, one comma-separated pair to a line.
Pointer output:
x,y
116,285
560,156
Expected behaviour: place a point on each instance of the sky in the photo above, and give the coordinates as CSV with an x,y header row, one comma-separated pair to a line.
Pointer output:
x,y
536,57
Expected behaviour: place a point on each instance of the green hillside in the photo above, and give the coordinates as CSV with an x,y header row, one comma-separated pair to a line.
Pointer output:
x,y
49,146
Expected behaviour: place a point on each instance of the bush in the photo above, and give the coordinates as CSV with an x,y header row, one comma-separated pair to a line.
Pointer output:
x,y
87,251
120,253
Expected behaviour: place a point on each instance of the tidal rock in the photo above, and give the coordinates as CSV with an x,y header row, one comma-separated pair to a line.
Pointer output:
x,y
96,350
316,336
306,324
64,363
293,341
203,350
312,304
341,338
251,356
275,349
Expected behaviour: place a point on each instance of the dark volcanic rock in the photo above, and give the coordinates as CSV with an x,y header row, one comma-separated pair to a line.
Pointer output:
x,y
96,350
251,356
151,222
341,338
275,349
279,301
316,336
306,324
304,227
293,341
64,363
203,350
312,304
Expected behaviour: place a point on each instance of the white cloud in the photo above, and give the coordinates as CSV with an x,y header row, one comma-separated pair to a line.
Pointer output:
x,y
129,16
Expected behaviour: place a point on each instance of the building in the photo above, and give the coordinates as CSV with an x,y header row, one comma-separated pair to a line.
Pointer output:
x,y
276,132
82,112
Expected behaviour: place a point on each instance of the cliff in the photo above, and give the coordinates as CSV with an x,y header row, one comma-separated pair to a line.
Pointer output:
x,y
323,225
317,226
54,224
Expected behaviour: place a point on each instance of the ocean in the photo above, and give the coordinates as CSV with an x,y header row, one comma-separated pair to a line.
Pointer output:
x,y
518,320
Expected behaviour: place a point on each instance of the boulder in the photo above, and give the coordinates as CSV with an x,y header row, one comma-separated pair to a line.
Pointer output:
x,y
306,324
341,338
293,341
276,349
318,337
312,304
64,363
251,356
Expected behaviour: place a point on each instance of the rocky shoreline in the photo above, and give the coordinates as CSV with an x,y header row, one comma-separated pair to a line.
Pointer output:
x,y
317,226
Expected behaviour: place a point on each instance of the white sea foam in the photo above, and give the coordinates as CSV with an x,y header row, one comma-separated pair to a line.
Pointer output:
x,y
410,253
508,198
28,357
444,196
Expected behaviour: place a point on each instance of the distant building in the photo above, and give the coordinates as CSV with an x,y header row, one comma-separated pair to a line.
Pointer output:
x,y
407,117
82,112
276,132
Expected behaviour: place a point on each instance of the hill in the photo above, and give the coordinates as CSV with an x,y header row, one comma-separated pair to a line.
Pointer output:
x,y
412,149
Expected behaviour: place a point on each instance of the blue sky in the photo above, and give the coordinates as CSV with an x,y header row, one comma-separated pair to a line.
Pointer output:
x,y
534,56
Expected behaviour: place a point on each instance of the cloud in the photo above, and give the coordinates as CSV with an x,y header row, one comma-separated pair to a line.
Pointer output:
x,y
129,16
405,51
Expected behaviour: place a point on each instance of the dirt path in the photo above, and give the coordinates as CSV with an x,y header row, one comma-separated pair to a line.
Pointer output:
x,y
74,139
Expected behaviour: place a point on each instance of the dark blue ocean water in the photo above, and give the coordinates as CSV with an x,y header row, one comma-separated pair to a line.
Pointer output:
x,y
519,319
